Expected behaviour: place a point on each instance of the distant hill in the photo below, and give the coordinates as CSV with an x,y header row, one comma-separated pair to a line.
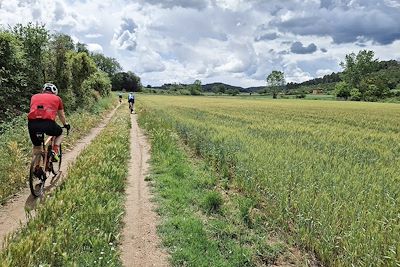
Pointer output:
x,y
389,70
210,87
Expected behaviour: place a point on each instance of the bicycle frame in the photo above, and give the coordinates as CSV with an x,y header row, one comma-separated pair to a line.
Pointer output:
x,y
45,150
46,145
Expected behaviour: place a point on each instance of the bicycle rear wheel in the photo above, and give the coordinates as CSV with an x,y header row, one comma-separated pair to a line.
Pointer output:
x,y
56,166
37,177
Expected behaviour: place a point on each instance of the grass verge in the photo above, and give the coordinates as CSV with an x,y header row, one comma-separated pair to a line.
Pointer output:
x,y
15,145
203,225
79,224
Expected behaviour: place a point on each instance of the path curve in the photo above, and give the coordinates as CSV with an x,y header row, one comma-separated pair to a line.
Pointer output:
x,y
140,244
18,210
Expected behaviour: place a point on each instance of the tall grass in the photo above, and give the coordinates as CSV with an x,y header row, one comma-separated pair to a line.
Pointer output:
x,y
15,145
79,225
326,173
199,225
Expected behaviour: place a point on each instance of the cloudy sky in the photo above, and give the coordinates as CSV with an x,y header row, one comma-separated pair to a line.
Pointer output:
x,y
234,41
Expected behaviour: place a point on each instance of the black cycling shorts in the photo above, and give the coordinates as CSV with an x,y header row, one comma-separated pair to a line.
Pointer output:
x,y
48,127
131,100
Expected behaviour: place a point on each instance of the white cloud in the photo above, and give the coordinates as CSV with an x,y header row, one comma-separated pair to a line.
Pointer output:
x,y
93,47
235,41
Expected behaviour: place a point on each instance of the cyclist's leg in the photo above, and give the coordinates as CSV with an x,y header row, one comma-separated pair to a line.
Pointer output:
x,y
34,127
53,129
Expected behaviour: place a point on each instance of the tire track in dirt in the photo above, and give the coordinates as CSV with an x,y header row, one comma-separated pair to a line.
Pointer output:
x,y
140,245
19,209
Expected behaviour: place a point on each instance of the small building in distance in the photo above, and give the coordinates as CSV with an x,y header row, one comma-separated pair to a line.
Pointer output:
x,y
317,91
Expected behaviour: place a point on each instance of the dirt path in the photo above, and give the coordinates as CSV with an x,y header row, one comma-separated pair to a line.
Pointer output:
x,y
20,209
140,243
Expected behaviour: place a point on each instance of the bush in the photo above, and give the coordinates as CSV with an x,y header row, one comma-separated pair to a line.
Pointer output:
x,y
100,82
355,94
212,202
69,99
342,90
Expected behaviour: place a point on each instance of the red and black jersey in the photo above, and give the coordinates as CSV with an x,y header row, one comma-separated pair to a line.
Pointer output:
x,y
45,106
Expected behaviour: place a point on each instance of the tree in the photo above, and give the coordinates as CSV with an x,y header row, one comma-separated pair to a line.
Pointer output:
x,y
99,82
11,61
107,64
12,76
59,69
275,80
82,66
34,40
233,92
356,67
195,88
81,47
342,90
128,81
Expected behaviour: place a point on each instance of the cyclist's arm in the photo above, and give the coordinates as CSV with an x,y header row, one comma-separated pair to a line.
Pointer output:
x,y
61,115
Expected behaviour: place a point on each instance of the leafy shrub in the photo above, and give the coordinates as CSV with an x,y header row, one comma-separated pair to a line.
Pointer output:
x,y
212,202
342,90
100,82
302,95
355,94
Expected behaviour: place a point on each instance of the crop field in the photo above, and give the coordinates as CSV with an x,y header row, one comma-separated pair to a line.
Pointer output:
x,y
324,174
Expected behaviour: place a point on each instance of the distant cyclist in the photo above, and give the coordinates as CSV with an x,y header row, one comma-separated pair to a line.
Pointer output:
x,y
44,109
120,97
131,101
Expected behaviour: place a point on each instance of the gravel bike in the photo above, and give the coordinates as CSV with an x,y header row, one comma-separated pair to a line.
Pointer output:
x,y
43,165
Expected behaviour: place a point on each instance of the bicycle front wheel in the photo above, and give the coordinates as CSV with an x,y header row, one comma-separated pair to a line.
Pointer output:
x,y
56,166
37,177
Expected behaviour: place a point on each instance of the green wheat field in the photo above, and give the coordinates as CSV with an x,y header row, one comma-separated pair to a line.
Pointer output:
x,y
326,173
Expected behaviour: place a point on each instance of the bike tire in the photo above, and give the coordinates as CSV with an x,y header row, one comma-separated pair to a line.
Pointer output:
x,y
36,180
56,166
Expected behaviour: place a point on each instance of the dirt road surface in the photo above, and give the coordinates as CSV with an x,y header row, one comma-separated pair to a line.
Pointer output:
x,y
140,244
16,212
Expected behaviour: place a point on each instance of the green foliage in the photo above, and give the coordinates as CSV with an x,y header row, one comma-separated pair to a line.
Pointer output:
x,y
195,88
98,81
358,66
275,80
127,81
233,92
30,56
34,40
59,67
11,61
212,202
219,89
81,48
107,64
342,90
355,94
82,67
12,76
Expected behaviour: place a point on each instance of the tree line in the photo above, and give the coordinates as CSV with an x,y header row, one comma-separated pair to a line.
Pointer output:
x,y
30,56
363,78
367,79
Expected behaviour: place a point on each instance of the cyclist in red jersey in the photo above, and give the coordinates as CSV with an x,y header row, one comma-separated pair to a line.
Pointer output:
x,y
44,109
